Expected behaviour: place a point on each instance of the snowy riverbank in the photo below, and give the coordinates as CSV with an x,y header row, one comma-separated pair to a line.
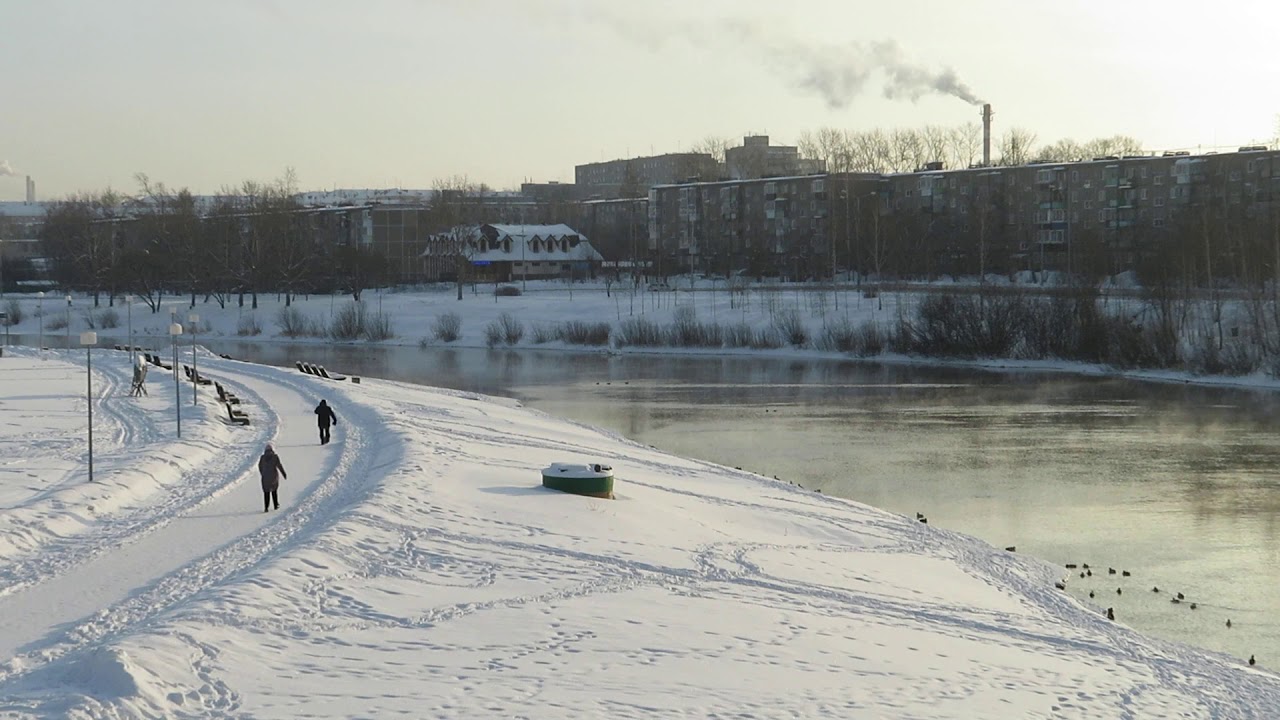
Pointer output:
x,y
417,567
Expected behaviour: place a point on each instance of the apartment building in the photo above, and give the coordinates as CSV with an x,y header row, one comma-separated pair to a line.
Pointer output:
x,y
768,226
756,158
633,177
1096,217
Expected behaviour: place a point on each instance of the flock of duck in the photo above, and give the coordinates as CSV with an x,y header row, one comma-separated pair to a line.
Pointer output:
x,y
1176,598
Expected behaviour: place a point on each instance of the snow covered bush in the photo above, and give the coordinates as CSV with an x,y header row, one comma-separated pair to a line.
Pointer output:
x,y
639,332
791,327
348,323
506,330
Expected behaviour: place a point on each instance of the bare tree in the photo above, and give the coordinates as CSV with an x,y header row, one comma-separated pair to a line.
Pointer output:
x,y
712,145
1116,145
1017,146
964,146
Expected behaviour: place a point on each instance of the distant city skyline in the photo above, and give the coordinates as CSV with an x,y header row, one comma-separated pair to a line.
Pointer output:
x,y
400,93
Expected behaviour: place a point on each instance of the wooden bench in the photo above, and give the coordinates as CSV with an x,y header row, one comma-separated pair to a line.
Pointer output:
x,y
225,396
301,367
155,360
325,374
237,417
196,377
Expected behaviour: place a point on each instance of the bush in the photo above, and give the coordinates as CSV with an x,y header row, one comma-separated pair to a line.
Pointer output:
x,y
507,329
766,339
739,336
838,337
108,318
292,322
448,327
378,328
56,322
870,341
492,334
791,328
507,291
577,332
639,332
543,333
349,322
248,325
686,331
13,309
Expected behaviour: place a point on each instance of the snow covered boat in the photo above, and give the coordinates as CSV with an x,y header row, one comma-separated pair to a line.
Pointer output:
x,y
595,480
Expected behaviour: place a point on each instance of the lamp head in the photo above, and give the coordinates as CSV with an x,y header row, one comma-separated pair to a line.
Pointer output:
x,y
175,329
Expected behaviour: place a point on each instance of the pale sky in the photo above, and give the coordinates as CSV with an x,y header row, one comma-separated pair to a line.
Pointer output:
x,y
387,93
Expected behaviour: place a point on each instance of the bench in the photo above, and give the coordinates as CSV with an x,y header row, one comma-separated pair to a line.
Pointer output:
x,y
325,374
225,396
237,417
302,367
196,377
155,360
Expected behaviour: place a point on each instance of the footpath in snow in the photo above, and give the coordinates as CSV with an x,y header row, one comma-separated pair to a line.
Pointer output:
x,y
417,567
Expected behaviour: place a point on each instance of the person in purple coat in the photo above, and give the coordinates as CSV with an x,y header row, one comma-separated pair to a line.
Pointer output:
x,y
271,469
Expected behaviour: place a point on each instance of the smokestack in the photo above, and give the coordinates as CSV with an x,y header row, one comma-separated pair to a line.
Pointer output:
x,y
31,190
986,135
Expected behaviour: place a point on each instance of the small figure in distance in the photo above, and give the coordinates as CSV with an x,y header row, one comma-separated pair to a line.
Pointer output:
x,y
271,470
324,416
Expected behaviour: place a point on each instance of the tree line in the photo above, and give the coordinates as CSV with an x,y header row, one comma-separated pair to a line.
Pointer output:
x,y
243,242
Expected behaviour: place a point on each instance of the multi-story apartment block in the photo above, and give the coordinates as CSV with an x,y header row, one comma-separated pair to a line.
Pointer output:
x,y
756,158
769,226
619,228
633,177
1096,217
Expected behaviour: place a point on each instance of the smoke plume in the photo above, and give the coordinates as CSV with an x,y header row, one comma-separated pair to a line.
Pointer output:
x,y
6,169
840,73
835,73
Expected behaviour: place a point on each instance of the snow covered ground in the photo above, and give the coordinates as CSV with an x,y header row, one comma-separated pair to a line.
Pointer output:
x,y
417,568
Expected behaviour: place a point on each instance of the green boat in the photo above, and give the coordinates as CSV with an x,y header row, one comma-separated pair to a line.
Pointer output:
x,y
594,480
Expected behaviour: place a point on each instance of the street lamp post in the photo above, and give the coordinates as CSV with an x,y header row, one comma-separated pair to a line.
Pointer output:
x,y
40,312
174,331
173,320
128,301
194,319
68,321
88,339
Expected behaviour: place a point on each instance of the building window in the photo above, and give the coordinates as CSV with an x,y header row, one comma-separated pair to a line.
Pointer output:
x,y
1088,204
1158,222
1044,176
1158,180
1159,202
1102,216
1144,172
1142,194
1235,174
1075,176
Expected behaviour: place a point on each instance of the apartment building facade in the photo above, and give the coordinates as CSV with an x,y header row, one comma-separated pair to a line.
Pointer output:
x,y
1096,217
634,176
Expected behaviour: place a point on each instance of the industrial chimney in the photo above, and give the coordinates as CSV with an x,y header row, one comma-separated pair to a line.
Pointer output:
x,y
986,135
31,190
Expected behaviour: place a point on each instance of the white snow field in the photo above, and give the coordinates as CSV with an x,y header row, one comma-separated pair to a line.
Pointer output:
x,y
418,569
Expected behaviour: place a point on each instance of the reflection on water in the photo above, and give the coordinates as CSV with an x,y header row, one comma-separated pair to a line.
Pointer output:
x,y
1174,483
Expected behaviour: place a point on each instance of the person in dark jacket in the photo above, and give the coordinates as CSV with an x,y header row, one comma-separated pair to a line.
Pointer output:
x,y
324,416
271,469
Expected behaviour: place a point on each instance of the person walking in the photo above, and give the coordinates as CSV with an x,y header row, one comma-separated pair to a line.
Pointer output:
x,y
324,416
271,469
